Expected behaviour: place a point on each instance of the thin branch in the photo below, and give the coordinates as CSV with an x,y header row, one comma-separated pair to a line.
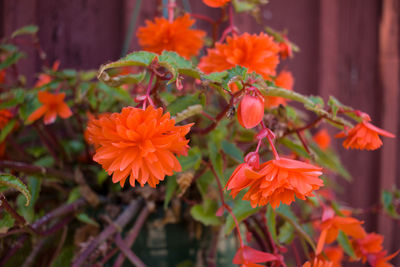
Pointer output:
x,y
128,253
120,222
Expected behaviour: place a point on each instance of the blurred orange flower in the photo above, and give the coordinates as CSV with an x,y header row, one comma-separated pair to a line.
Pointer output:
x,y
5,116
330,230
318,263
285,80
175,36
371,243
52,105
363,136
45,78
380,259
257,53
215,3
322,138
138,143
280,180
335,255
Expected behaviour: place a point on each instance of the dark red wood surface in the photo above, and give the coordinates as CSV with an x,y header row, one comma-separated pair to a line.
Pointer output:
x,y
349,49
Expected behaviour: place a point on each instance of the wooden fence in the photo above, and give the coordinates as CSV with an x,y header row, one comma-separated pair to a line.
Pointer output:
x,y
349,48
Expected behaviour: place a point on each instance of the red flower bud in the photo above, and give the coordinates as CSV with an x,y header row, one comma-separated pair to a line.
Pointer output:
x,y
250,111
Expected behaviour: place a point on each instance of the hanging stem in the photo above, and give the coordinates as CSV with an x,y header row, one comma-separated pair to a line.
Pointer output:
x,y
148,91
171,6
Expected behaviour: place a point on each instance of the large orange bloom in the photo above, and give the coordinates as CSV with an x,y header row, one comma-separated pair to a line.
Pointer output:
x,y
138,143
52,105
335,255
363,136
215,3
175,36
239,180
280,180
330,230
257,53
285,80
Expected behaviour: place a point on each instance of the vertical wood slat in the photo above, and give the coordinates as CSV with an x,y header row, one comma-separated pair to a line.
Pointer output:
x,y
389,74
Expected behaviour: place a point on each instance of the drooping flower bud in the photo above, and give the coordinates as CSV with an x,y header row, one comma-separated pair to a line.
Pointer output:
x,y
250,111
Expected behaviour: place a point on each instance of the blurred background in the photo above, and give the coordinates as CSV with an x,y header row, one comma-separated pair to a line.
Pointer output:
x,y
349,49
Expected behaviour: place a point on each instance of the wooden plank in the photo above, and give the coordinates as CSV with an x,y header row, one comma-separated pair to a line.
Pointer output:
x,y
389,74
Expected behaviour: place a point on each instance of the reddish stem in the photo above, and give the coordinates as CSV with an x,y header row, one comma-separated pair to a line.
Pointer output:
x,y
148,91
303,142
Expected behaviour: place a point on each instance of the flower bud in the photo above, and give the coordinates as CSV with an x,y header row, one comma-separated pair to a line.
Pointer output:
x,y
250,111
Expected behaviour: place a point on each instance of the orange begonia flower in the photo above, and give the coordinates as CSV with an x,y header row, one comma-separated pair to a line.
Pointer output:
x,y
370,244
175,36
45,78
215,3
380,259
249,257
5,116
330,230
239,180
280,180
318,263
334,255
285,80
250,111
138,143
363,136
52,105
257,53
322,138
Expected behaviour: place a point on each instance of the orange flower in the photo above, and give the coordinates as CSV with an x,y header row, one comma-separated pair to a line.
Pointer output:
x,y
239,180
322,139
45,78
285,49
318,263
285,80
175,36
363,136
5,116
249,257
280,180
371,243
330,230
215,3
53,105
257,53
250,111
138,143
380,259
335,255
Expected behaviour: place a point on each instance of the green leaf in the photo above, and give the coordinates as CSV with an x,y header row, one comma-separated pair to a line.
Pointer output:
x,y
216,158
182,103
328,159
232,150
237,73
74,194
387,203
205,213
119,80
65,257
29,29
138,58
344,242
10,60
295,147
116,93
9,180
7,129
177,65
216,77
271,222
192,160
317,100
171,187
242,211
203,182
6,222
83,217
16,97
286,233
